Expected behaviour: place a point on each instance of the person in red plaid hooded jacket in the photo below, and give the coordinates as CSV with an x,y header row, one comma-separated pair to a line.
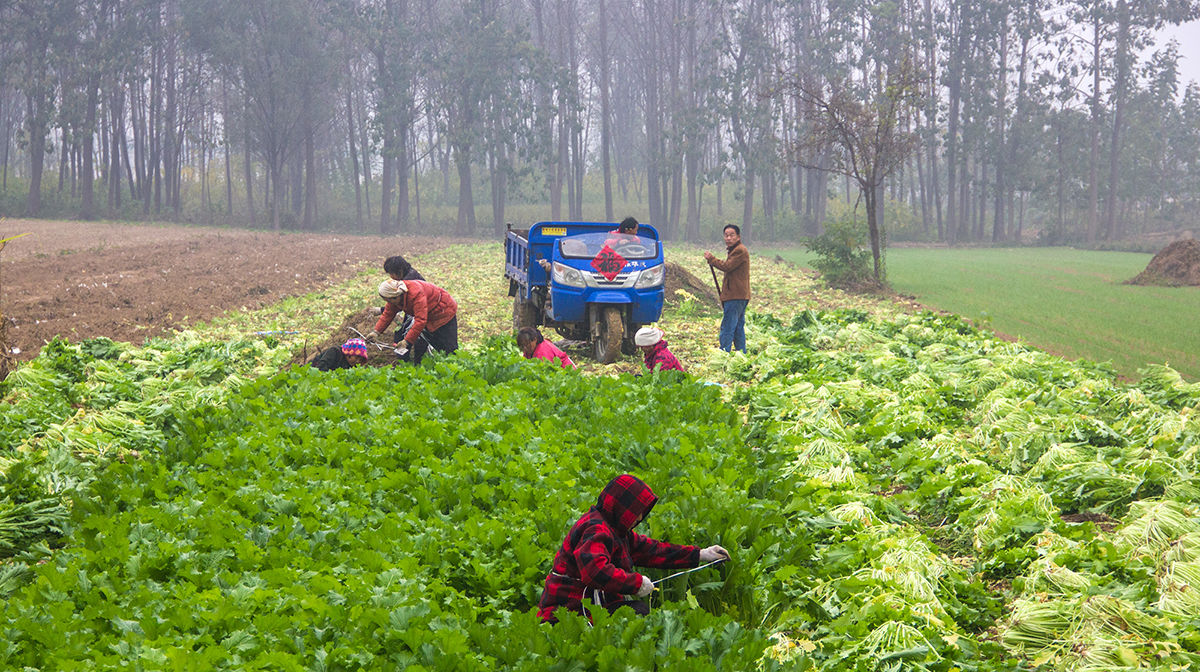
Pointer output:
x,y
597,558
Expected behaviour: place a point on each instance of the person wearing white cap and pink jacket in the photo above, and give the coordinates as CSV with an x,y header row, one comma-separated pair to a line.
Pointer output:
x,y
434,313
654,350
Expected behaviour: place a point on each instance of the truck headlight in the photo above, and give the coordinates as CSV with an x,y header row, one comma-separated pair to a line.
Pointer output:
x,y
565,275
651,277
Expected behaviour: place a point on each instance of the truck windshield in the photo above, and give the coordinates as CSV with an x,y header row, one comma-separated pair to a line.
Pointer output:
x,y
589,245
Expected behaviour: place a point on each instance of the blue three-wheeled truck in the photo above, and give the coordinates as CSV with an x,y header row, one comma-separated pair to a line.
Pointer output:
x,y
587,281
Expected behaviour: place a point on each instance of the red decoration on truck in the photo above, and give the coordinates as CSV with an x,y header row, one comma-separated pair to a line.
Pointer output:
x,y
608,263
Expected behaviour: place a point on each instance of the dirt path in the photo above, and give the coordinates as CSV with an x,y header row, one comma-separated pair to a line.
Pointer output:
x,y
133,282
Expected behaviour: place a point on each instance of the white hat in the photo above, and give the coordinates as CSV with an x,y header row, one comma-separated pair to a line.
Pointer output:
x,y
390,289
647,336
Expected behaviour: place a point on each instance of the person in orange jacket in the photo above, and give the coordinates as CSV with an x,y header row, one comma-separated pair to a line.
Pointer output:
x,y
434,316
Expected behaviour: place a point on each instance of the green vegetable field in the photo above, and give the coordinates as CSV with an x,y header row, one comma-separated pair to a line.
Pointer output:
x,y
897,492
1072,302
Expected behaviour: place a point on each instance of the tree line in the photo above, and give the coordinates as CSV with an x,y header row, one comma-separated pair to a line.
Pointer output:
x,y
1032,115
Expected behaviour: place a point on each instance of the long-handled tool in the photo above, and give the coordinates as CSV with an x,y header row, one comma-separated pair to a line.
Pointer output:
x,y
717,284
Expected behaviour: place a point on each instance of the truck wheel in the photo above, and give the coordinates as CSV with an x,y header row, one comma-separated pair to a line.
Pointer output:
x,y
607,345
627,347
524,314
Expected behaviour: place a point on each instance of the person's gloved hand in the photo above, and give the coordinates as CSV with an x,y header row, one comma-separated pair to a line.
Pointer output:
x,y
370,335
713,553
375,310
647,587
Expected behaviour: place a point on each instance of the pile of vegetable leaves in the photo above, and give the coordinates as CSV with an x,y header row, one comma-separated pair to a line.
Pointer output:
x,y
1077,497
79,405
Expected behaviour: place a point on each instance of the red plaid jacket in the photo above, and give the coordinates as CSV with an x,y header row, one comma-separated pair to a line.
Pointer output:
x,y
601,549
661,359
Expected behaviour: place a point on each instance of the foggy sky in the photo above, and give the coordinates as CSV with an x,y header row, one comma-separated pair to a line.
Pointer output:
x,y
1188,37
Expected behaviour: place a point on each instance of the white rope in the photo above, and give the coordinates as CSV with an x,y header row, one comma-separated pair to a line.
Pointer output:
x,y
689,571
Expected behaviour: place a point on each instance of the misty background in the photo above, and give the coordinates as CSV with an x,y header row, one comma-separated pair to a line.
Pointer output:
x,y
1032,121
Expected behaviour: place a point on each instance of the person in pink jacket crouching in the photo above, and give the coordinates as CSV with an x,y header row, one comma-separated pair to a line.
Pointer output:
x,y
534,346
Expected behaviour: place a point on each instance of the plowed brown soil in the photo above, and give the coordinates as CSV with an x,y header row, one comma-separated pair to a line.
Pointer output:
x,y
133,282
361,321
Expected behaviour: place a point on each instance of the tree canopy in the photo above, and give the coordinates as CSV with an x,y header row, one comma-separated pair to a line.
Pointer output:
x,y
1054,120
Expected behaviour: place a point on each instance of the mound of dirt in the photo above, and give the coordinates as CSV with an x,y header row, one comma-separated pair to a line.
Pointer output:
x,y
1177,265
363,321
679,278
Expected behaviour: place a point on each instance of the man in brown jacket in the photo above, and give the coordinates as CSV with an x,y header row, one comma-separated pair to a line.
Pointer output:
x,y
735,290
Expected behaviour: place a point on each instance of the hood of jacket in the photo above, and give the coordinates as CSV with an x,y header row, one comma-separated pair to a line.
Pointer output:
x,y
625,502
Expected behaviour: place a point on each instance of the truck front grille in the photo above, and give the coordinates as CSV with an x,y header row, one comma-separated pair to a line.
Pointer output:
x,y
620,280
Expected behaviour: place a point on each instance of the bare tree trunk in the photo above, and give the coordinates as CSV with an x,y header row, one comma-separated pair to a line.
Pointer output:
x,y
1094,164
138,114
574,166
952,143
225,143
126,163
87,209
605,114
64,150
387,179
720,200
296,190
964,201
560,166
870,200
1021,218
748,203
770,200
695,141
37,154
350,132
310,173
364,142
466,201
499,188
416,189
998,220
1119,91
546,127
170,157
6,119
153,187
654,140
402,204
274,190
246,164
207,122
1059,174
